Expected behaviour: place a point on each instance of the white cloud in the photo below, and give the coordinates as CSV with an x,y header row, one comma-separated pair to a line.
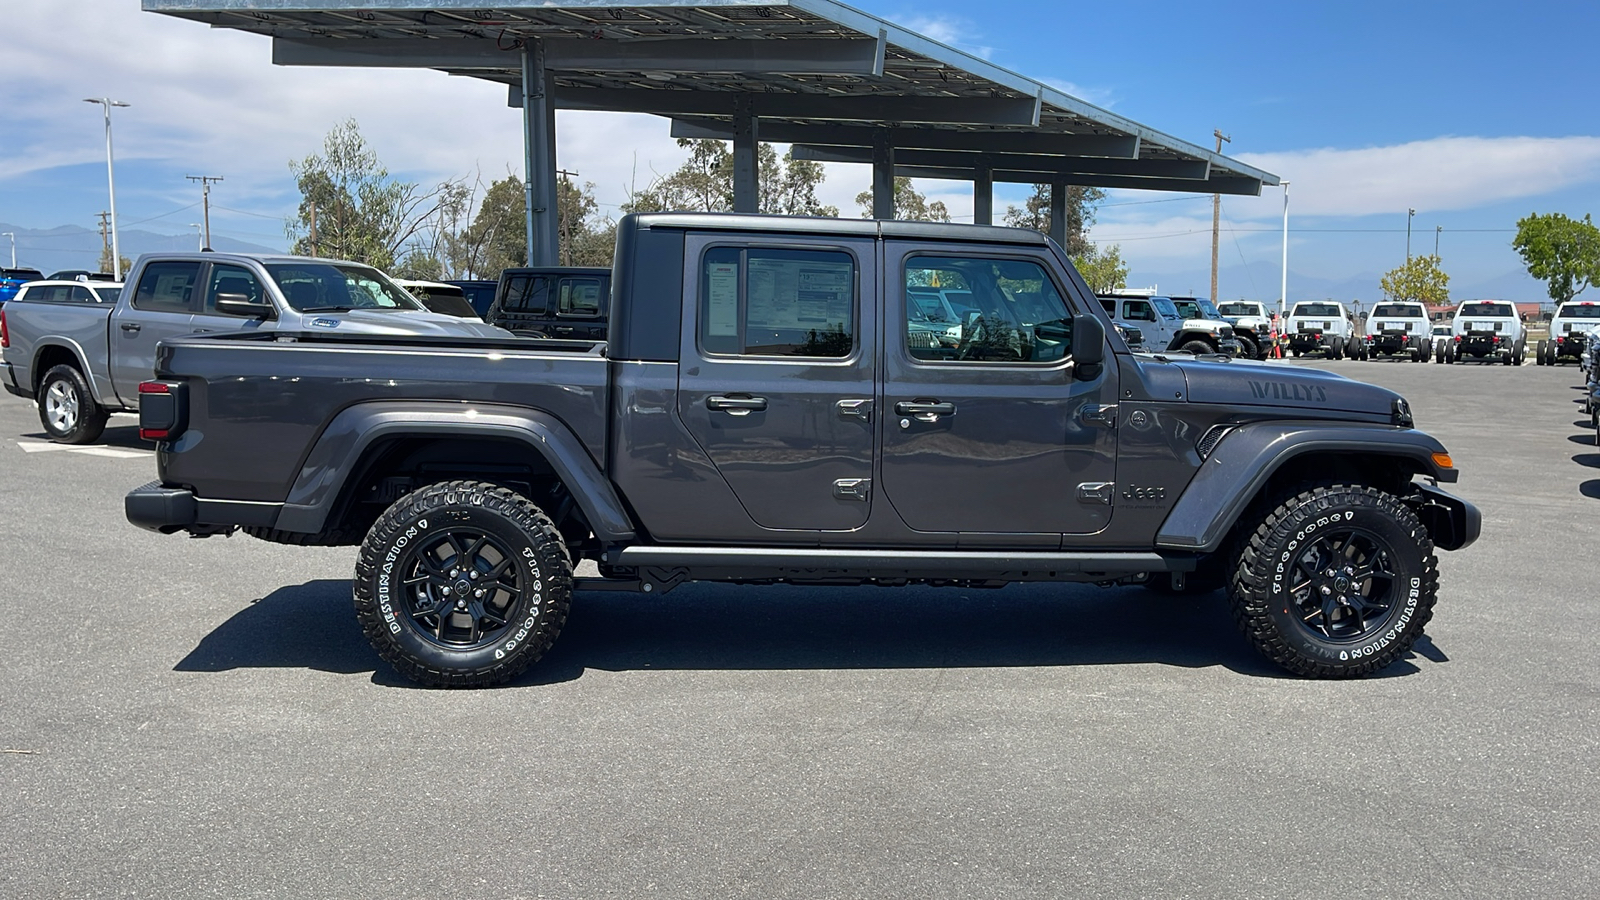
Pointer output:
x,y
950,31
1441,174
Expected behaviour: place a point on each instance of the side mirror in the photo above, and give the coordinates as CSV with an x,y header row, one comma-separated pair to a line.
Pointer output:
x,y
241,305
1088,345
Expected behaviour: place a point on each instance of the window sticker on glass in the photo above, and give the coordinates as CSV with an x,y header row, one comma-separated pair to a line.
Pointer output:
x,y
722,295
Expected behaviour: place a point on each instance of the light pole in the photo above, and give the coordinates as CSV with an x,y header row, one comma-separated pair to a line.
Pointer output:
x,y
13,236
111,181
1283,293
1410,213
1437,229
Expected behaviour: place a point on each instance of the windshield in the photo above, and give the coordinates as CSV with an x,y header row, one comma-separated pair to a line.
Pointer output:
x,y
1580,311
335,287
1239,309
1491,310
1315,309
1398,311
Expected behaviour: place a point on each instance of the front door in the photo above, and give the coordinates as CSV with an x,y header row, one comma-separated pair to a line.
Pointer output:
x,y
776,372
993,432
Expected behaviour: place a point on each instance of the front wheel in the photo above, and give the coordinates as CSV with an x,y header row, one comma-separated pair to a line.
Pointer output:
x,y
1337,581
462,584
1196,347
1248,348
67,409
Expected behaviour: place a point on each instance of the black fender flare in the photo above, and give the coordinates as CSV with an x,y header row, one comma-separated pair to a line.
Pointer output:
x,y
1249,455
343,442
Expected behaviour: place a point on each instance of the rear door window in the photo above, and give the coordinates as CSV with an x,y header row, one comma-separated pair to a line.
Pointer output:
x,y
167,287
771,302
579,298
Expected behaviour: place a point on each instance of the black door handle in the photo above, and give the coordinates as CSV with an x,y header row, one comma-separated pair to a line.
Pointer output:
x,y
131,327
924,410
737,404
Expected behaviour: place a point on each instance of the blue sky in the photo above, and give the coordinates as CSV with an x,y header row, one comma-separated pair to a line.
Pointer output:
x,y
1473,113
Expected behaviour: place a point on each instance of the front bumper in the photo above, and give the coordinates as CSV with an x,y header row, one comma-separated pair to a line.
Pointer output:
x,y
1452,522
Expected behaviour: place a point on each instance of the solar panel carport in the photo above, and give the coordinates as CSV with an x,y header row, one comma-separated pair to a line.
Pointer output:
x,y
839,84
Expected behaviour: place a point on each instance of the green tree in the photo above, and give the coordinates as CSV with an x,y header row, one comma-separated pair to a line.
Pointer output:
x,y
1082,203
105,261
497,238
909,204
361,213
1419,279
1102,268
1564,253
704,183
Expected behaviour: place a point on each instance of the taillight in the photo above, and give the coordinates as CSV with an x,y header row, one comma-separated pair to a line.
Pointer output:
x,y
5,336
162,410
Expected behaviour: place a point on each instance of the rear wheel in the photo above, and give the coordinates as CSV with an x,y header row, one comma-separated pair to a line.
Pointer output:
x,y
66,408
1438,353
1336,581
1541,353
462,584
1335,347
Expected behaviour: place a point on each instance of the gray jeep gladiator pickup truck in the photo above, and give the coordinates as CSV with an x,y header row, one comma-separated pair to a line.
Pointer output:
x,y
86,360
764,413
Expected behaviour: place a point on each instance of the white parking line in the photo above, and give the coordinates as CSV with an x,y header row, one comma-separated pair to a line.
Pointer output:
x,y
109,452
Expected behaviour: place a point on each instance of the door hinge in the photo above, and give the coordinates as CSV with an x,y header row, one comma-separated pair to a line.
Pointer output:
x,y
1097,492
852,488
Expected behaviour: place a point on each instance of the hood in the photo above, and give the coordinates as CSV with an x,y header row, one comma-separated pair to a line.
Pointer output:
x,y
1241,382
396,321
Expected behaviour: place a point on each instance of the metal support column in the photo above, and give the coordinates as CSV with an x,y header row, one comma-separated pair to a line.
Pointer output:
x,y
539,144
1058,213
746,162
882,175
983,195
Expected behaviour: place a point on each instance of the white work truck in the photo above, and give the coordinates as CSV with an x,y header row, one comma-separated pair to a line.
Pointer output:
x,y
1398,329
1487,331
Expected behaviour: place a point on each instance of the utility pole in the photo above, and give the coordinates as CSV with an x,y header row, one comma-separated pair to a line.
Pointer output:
x,y
1437,229
105,244
1216,220
565,221
1410,214
205,199
313,228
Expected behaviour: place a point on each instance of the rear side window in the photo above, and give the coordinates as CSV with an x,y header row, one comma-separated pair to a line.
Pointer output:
x,y
48,293
527,294
769,302
166,287
1137,311
579,297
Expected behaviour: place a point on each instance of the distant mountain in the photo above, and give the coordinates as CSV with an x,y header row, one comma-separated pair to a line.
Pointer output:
x,y
73,247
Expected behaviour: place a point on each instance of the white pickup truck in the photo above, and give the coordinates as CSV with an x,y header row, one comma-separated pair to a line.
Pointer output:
x,y
1487,331
84,360
1320,325
1398,329
1569,333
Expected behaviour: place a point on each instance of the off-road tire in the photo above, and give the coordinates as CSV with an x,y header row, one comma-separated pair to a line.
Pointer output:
x,y
1248,348
397,592
67,409
1311,519
1198,348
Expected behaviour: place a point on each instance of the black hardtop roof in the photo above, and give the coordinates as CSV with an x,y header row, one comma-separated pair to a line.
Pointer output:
x,y
555,270
934,231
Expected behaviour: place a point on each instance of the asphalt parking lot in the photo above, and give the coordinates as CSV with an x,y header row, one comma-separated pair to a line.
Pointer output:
x,y
187,718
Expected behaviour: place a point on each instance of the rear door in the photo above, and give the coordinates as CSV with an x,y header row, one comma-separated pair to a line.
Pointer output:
x,y
161,306
776,375
995,437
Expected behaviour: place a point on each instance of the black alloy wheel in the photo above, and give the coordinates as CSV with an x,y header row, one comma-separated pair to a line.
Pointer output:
x,y
1336,581
462,584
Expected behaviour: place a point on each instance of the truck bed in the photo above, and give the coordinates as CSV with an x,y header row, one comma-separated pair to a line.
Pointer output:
x,y
259,391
